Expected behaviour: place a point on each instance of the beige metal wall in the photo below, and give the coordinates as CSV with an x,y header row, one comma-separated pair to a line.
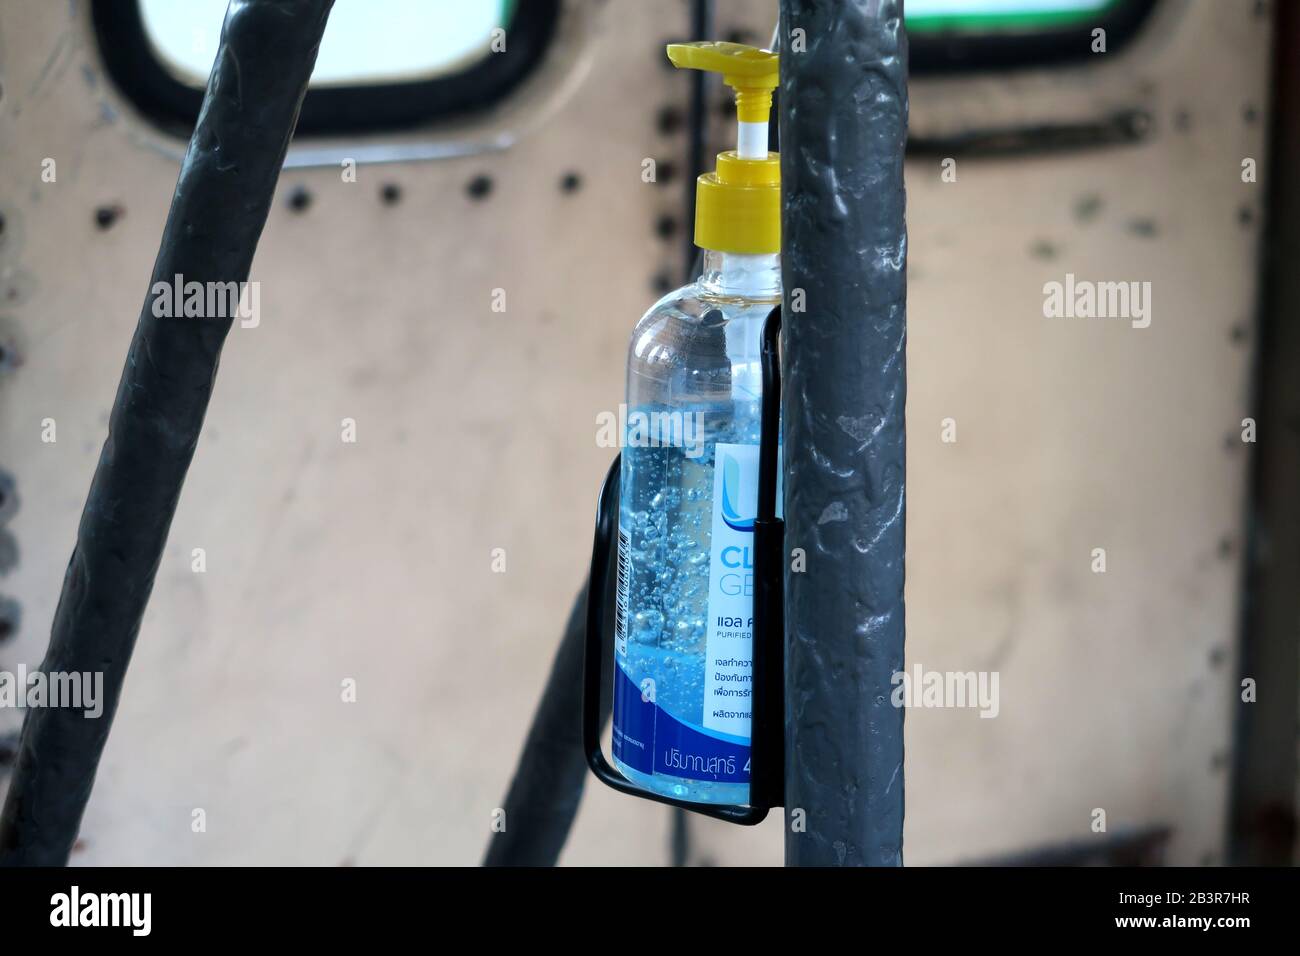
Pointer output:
x,y
372,561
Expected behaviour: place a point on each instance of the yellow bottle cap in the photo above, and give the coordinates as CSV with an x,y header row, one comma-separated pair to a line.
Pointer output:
x,y
738,207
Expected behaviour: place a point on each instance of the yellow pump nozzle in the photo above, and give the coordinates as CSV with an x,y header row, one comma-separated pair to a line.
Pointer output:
x,y
751,72
738,207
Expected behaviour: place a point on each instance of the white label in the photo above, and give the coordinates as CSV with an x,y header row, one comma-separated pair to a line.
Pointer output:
x,y
728,656
622,589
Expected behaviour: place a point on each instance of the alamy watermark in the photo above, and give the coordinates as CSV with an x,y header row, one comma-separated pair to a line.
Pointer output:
x,y
133,911
179,299
1085,299
939,689
653,429
77,690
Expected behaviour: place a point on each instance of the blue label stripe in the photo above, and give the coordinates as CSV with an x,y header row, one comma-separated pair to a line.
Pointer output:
x,y
651,740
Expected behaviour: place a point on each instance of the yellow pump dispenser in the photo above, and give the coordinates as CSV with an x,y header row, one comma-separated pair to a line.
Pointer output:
x,y
738,206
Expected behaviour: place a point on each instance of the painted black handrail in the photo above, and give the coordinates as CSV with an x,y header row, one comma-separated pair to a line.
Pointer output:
x,y
844,260
221,201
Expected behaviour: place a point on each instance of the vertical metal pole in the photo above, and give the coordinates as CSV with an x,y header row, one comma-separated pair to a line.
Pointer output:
x,y
1264,781
264,60
843,115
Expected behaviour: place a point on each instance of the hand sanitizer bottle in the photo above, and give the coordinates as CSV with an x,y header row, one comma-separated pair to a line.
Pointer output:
x,y
683,683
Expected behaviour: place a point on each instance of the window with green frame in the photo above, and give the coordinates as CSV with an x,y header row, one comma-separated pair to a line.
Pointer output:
x,y
990,34
383,64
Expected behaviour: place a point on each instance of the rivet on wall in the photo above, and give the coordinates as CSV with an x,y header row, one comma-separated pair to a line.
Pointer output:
x,y
1144,227
8,497
669,120
10,357
10,618
299,199
107,215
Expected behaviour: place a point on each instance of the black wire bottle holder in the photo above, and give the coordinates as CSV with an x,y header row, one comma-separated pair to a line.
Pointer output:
x,y
767,721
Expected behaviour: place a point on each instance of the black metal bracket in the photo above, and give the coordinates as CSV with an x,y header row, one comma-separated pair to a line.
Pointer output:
x,y
767,730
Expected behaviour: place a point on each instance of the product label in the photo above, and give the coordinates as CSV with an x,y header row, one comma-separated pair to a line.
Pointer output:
x,y
651,736
728,658
649,739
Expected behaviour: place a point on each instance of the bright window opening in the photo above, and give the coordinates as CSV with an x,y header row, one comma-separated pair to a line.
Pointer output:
x,y
366,42
383,65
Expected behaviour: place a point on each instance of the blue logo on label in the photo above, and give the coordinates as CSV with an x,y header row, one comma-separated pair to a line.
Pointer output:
x,y
730,493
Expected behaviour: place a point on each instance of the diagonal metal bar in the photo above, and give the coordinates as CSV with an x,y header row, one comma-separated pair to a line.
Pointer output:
x,y
226,184
547,787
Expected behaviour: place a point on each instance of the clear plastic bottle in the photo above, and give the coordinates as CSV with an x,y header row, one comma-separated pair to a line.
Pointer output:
x,y
683,664
683,674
